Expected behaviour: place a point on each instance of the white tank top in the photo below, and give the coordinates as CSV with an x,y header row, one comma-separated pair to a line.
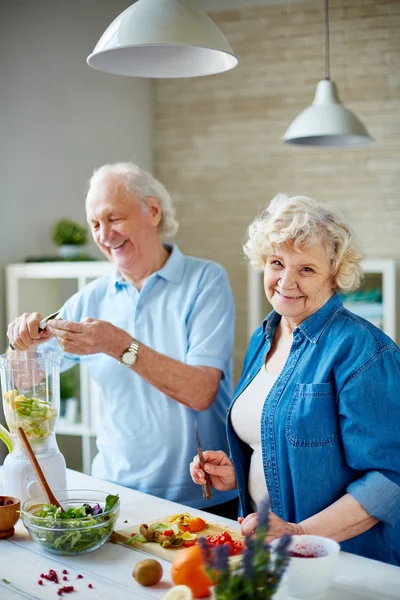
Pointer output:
x,y
246,422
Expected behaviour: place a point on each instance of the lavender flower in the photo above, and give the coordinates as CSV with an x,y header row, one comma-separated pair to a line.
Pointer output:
x,y
206,553
248,556
260,572
282,547
263,513
221,556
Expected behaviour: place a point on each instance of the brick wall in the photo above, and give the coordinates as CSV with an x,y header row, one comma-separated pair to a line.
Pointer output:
x,y
218,138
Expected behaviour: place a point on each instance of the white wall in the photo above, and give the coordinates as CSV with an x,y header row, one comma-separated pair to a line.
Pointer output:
x,y
59,119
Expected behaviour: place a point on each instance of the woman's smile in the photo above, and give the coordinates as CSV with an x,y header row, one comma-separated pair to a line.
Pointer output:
x,y
298,282
287,297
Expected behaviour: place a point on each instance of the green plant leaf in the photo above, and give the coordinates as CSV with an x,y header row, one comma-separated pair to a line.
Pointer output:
x,y
65,231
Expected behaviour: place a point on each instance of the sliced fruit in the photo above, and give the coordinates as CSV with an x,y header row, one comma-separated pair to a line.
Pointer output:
x,y
179,592
188,536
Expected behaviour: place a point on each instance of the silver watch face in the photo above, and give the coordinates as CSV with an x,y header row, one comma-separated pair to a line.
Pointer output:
x,y
129,358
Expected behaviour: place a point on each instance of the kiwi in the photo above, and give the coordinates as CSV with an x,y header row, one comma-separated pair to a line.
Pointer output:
x,y
148,571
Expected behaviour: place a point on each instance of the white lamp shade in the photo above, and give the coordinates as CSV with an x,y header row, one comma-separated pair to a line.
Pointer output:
x,y
327,122
162,38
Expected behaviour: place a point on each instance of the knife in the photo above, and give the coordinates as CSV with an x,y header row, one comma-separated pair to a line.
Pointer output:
x,y
207,485
42,324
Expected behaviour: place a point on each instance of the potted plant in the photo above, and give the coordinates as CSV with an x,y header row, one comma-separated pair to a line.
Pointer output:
x,y
69,392
70,237
261,569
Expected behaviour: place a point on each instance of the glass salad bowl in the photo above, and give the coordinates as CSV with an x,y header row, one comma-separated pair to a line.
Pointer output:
x,y
87,523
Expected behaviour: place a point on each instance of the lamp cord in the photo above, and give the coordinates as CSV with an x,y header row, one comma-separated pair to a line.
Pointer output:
x,y
327,49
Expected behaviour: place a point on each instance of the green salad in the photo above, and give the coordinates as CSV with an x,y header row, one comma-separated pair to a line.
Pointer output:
x,y
34,415
75,531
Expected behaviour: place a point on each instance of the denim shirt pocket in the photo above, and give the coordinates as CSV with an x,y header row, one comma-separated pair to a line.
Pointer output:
x,y
312,418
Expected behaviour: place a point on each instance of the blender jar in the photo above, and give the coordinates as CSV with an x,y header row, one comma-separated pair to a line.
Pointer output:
x,y
30,383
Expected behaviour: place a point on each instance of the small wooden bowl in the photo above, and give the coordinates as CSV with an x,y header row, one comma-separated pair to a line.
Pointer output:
x,y
9,515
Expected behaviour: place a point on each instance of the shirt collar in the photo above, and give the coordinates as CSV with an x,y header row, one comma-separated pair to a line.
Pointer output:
x,y
172,270
313,326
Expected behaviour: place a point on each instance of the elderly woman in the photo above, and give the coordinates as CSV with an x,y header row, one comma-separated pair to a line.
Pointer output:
x,y
314,420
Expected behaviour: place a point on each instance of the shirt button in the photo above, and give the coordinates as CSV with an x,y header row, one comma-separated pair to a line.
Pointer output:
x,y
266,421
268,464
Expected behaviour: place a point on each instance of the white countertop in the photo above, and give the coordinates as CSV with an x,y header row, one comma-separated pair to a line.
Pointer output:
x,y
109,569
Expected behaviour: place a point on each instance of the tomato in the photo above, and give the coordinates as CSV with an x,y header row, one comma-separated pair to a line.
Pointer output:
x,y
237,547
189,543
168,532
213,539
224,539
219,539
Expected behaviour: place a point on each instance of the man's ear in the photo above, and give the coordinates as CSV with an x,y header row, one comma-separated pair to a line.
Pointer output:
x,y
154,210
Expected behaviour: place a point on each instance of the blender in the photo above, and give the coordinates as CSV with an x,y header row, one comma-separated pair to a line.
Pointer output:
x,y
30,383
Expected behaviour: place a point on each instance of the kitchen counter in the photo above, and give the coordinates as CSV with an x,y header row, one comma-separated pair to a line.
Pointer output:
x,y
109,569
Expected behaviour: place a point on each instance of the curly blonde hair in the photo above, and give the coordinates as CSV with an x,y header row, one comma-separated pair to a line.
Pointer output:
x,y
304,222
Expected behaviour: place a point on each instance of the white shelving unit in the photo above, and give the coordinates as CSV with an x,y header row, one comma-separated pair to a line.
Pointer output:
x,y
44,287
384,269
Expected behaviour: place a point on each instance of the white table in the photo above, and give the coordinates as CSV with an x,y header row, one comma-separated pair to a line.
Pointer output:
x,y
109,569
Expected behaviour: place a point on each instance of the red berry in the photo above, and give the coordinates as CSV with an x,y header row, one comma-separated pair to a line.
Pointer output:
x,y
51,576
66,590
40,582
90,586
79,576
65,572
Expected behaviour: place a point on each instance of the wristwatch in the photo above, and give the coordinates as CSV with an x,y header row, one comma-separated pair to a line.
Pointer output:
x,y
129,356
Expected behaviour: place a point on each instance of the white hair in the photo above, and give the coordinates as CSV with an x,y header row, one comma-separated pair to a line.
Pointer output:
x,y
143,186
305,223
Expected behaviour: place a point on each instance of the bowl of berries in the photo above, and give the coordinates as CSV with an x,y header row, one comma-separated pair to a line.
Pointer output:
x,y
9,515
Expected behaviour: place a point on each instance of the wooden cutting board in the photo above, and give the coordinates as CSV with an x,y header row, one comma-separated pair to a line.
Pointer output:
x,y
122,535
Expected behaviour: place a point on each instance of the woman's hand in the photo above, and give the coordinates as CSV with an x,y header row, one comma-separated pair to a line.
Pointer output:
x,y
220,468
23,332
90,336
277,526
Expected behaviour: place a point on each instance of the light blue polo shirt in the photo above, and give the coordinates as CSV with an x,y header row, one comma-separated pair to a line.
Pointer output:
x,y
146,440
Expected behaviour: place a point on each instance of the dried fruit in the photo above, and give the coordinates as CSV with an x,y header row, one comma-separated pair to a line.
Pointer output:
x,y
148,571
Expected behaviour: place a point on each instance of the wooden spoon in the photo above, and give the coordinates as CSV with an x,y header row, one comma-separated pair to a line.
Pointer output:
x,y
51,499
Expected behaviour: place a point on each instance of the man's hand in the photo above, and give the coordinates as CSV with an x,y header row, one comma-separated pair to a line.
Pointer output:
x,y
277,527
23,332
90,336
220,468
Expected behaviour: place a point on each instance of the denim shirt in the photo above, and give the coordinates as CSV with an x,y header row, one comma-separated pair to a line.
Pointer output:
x,y
330,424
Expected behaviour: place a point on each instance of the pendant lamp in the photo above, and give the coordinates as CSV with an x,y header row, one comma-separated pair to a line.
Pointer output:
x,y
162,38
327,122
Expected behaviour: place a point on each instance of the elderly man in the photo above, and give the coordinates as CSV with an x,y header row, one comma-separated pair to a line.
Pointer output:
x,y
157,336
